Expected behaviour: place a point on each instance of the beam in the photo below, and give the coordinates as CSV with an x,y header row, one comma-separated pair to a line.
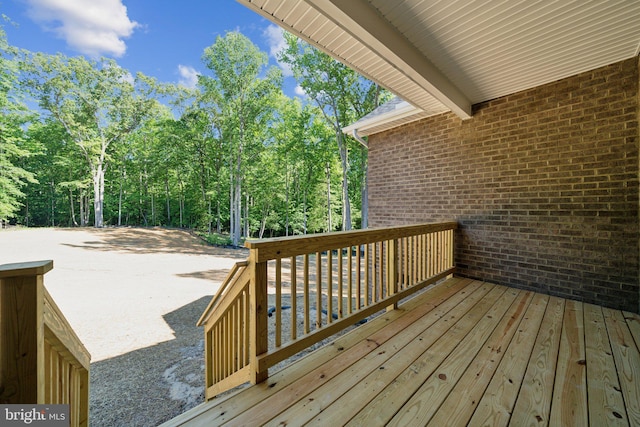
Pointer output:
x,y
362,22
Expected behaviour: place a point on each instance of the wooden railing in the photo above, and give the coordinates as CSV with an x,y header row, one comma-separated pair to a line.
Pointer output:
x,y
301,290
42,361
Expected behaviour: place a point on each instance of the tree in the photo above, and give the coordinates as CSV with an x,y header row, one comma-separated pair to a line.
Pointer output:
x,y
243,99
61,195
342,96
97,104
12,144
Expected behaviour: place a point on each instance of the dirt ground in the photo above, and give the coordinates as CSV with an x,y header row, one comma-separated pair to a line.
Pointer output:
x,y
133,296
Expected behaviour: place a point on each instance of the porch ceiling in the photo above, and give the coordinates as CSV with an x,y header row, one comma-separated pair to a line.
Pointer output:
x,y
448,55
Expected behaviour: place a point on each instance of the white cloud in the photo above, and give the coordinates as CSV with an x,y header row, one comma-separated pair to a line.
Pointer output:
x,y
188,76
94,28
276,42
128,77
299,91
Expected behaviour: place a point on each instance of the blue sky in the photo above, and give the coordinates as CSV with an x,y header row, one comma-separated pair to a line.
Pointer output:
x,y
161,38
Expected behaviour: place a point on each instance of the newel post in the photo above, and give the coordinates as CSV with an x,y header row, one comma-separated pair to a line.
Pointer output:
x,y
258,333
22,332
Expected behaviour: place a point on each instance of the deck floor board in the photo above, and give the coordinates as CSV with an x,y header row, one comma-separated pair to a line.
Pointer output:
x,y
465,352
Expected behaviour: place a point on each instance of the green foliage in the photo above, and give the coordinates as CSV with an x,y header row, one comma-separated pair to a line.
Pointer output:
x,y
342,97
216,239
233,156
13,147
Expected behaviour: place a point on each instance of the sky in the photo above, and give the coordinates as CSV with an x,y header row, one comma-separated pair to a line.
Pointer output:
x,y
164,39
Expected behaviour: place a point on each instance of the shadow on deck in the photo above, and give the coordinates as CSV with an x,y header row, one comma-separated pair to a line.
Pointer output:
x,y
463,353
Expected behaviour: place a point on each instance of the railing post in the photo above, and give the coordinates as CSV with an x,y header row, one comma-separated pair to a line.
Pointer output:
x,y
392,271
22,332
258,333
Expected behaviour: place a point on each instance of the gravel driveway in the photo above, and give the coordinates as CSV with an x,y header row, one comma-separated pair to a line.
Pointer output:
x,y
133,296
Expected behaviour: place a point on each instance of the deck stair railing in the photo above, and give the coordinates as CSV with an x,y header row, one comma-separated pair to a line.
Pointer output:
x,y
301,290
42,361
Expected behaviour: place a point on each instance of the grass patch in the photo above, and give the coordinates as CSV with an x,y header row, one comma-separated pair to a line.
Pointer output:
x,y
216,239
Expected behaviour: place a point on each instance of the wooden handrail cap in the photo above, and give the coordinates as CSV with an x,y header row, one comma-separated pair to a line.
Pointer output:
x,y
31,268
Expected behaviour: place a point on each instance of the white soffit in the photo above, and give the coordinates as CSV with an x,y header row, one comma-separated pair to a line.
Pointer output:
x,y
472,51
394,113
306,22
494,48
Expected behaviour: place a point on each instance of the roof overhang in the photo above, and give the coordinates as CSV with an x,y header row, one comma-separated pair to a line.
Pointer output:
x,y
394,113
448,55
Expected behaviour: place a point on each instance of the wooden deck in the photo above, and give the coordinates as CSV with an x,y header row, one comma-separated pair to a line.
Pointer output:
x,y
463,353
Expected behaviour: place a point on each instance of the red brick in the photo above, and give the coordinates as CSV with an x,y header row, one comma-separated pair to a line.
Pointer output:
x,y
544,184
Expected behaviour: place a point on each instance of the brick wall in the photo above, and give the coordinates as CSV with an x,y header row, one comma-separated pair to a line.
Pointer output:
x,y
544,184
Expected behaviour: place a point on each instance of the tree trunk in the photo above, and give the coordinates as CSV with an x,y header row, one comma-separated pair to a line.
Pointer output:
x,y
286,181
71,204
122,176
236,202
246,216
98,196
181,203
344,161
263,221
82,223
209,217
365,194
53,204
166,189
304,212
120,206
153,211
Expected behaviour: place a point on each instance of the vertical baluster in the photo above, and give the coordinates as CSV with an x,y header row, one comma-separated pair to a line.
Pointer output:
x,y
239,334
358,278
440,253
318,290
247,319
451,250
374,272
220,351
350,279
380,270
294,298
436,250
416,259
215,353
438,267
233,336
446,249
305,293
329,286
208,360
224,347
229,341
340,284
278,303
433,242
406,263
367,276
423,260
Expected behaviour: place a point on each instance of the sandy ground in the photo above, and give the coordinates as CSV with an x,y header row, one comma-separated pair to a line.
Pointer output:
x,y
133,296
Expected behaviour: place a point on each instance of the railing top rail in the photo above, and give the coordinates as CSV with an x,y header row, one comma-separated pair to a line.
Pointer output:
x,y
32,268
60,327
283,247
231,278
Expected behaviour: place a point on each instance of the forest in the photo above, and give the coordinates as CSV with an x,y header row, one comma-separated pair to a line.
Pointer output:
x,y
84,143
